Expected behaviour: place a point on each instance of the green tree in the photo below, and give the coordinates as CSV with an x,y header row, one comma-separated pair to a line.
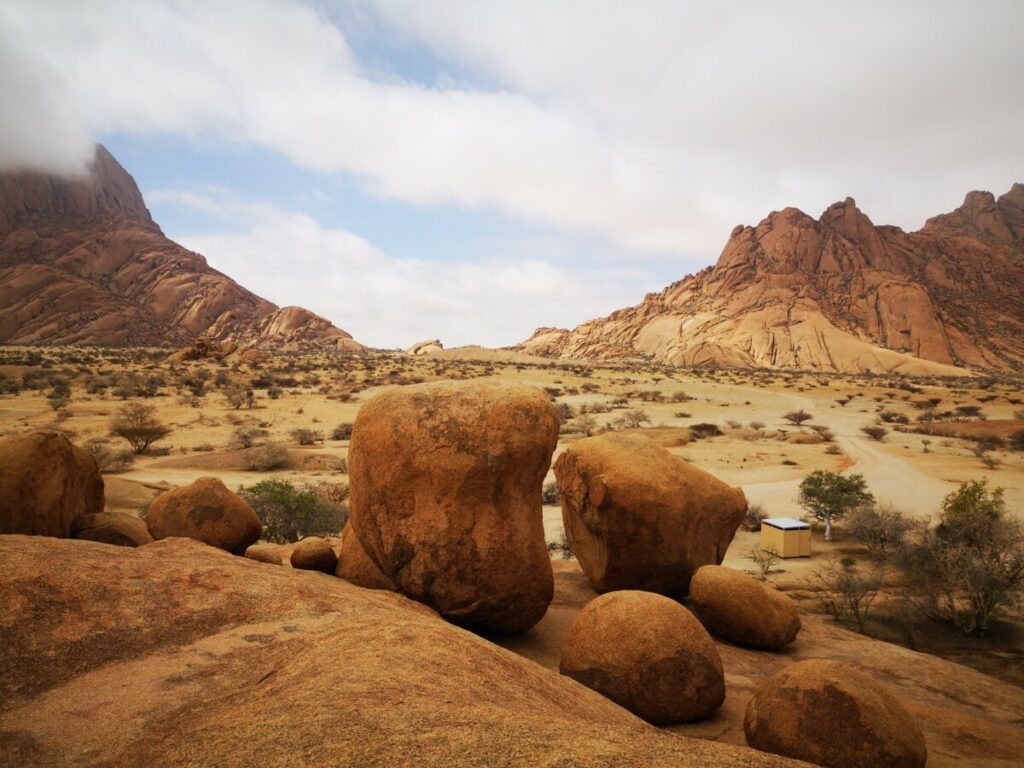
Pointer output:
x,y
829,495
289,513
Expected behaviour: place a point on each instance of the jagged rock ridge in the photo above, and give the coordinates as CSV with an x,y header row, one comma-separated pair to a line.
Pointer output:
x,y
837,294
83,262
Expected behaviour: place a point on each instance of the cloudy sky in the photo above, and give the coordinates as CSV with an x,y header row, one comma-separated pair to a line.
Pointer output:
x,y
471,170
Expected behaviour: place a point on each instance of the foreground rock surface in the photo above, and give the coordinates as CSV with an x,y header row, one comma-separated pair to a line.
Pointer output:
x,y
968,718
445,483
193,657
734,606
638,517
648,654
830,714
206,511
45,483
356,567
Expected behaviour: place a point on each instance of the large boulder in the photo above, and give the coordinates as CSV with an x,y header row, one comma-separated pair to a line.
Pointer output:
x,y
356,567
735,606
638,517
45,483
179,655
445,485
272,554
648,654
314,554
832,715
205,511
118,528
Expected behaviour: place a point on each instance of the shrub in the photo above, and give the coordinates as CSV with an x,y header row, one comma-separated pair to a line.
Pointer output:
x,y
289,513
267,457
875,432
700,431
246,437
235,395
107,459
632,419
882,528
847,591
969,569
304,436
550,493
757,426
342,432
137,423
1017,440
764,560
565,412
752,520
59,396
797,417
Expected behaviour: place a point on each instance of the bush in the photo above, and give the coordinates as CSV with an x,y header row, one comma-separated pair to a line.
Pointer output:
x,y
137,423
764,560
970,569
700,431
848,592
267,457
875,432
882,528
1017,440
797,417
304,436
752,520
632,419
550,494
289,513
247,437
107,459
342,432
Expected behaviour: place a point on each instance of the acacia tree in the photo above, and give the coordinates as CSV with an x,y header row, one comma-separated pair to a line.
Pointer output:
x,y
829,495
797,417
137,423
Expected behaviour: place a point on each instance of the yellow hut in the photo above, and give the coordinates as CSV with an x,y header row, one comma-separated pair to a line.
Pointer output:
x,y
787,536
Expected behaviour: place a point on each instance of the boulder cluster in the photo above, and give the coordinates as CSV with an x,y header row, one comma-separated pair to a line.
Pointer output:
x,y
445,508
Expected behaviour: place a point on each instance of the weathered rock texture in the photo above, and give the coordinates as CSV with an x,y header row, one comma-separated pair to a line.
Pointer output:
x,y
970,719
45,483
445,485
648,654
830,714
272,554
206,511
735,606
356,567
177,654
638,517
118,528
835,294
425,347
82,262
314,554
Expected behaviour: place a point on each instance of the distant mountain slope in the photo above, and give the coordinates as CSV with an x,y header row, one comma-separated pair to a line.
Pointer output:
x,y
83,262
835,294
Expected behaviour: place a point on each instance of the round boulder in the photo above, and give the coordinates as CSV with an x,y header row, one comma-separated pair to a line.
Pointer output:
x,y
830,714
356,567
45,483
118,528
206,511
638,517
445,483
265,553
648,654
314,554
738,608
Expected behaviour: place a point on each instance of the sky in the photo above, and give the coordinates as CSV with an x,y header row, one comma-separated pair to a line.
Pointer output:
x,y
469,171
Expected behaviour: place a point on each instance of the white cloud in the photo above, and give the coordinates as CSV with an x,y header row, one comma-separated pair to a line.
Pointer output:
x,y
385,301
658,125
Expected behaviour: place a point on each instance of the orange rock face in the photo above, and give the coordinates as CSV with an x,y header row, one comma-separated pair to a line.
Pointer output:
x,y
736,607
445,483
82,262
45,483
638,517
835,294
205,511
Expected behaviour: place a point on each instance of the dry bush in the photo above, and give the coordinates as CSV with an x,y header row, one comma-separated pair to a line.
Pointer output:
x,y
267,458
137,423
764,560
306,436
108,460
847,591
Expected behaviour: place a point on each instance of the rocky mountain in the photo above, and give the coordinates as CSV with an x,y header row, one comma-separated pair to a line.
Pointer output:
x,y
835,294
83,262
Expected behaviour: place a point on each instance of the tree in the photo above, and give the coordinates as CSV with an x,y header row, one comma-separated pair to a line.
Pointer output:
x,y
137,423
970,568
829,495
847,591
882,527
289,513
235,395
875,432
797,418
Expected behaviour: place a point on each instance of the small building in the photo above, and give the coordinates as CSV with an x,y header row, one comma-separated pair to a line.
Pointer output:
x,y
788,536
